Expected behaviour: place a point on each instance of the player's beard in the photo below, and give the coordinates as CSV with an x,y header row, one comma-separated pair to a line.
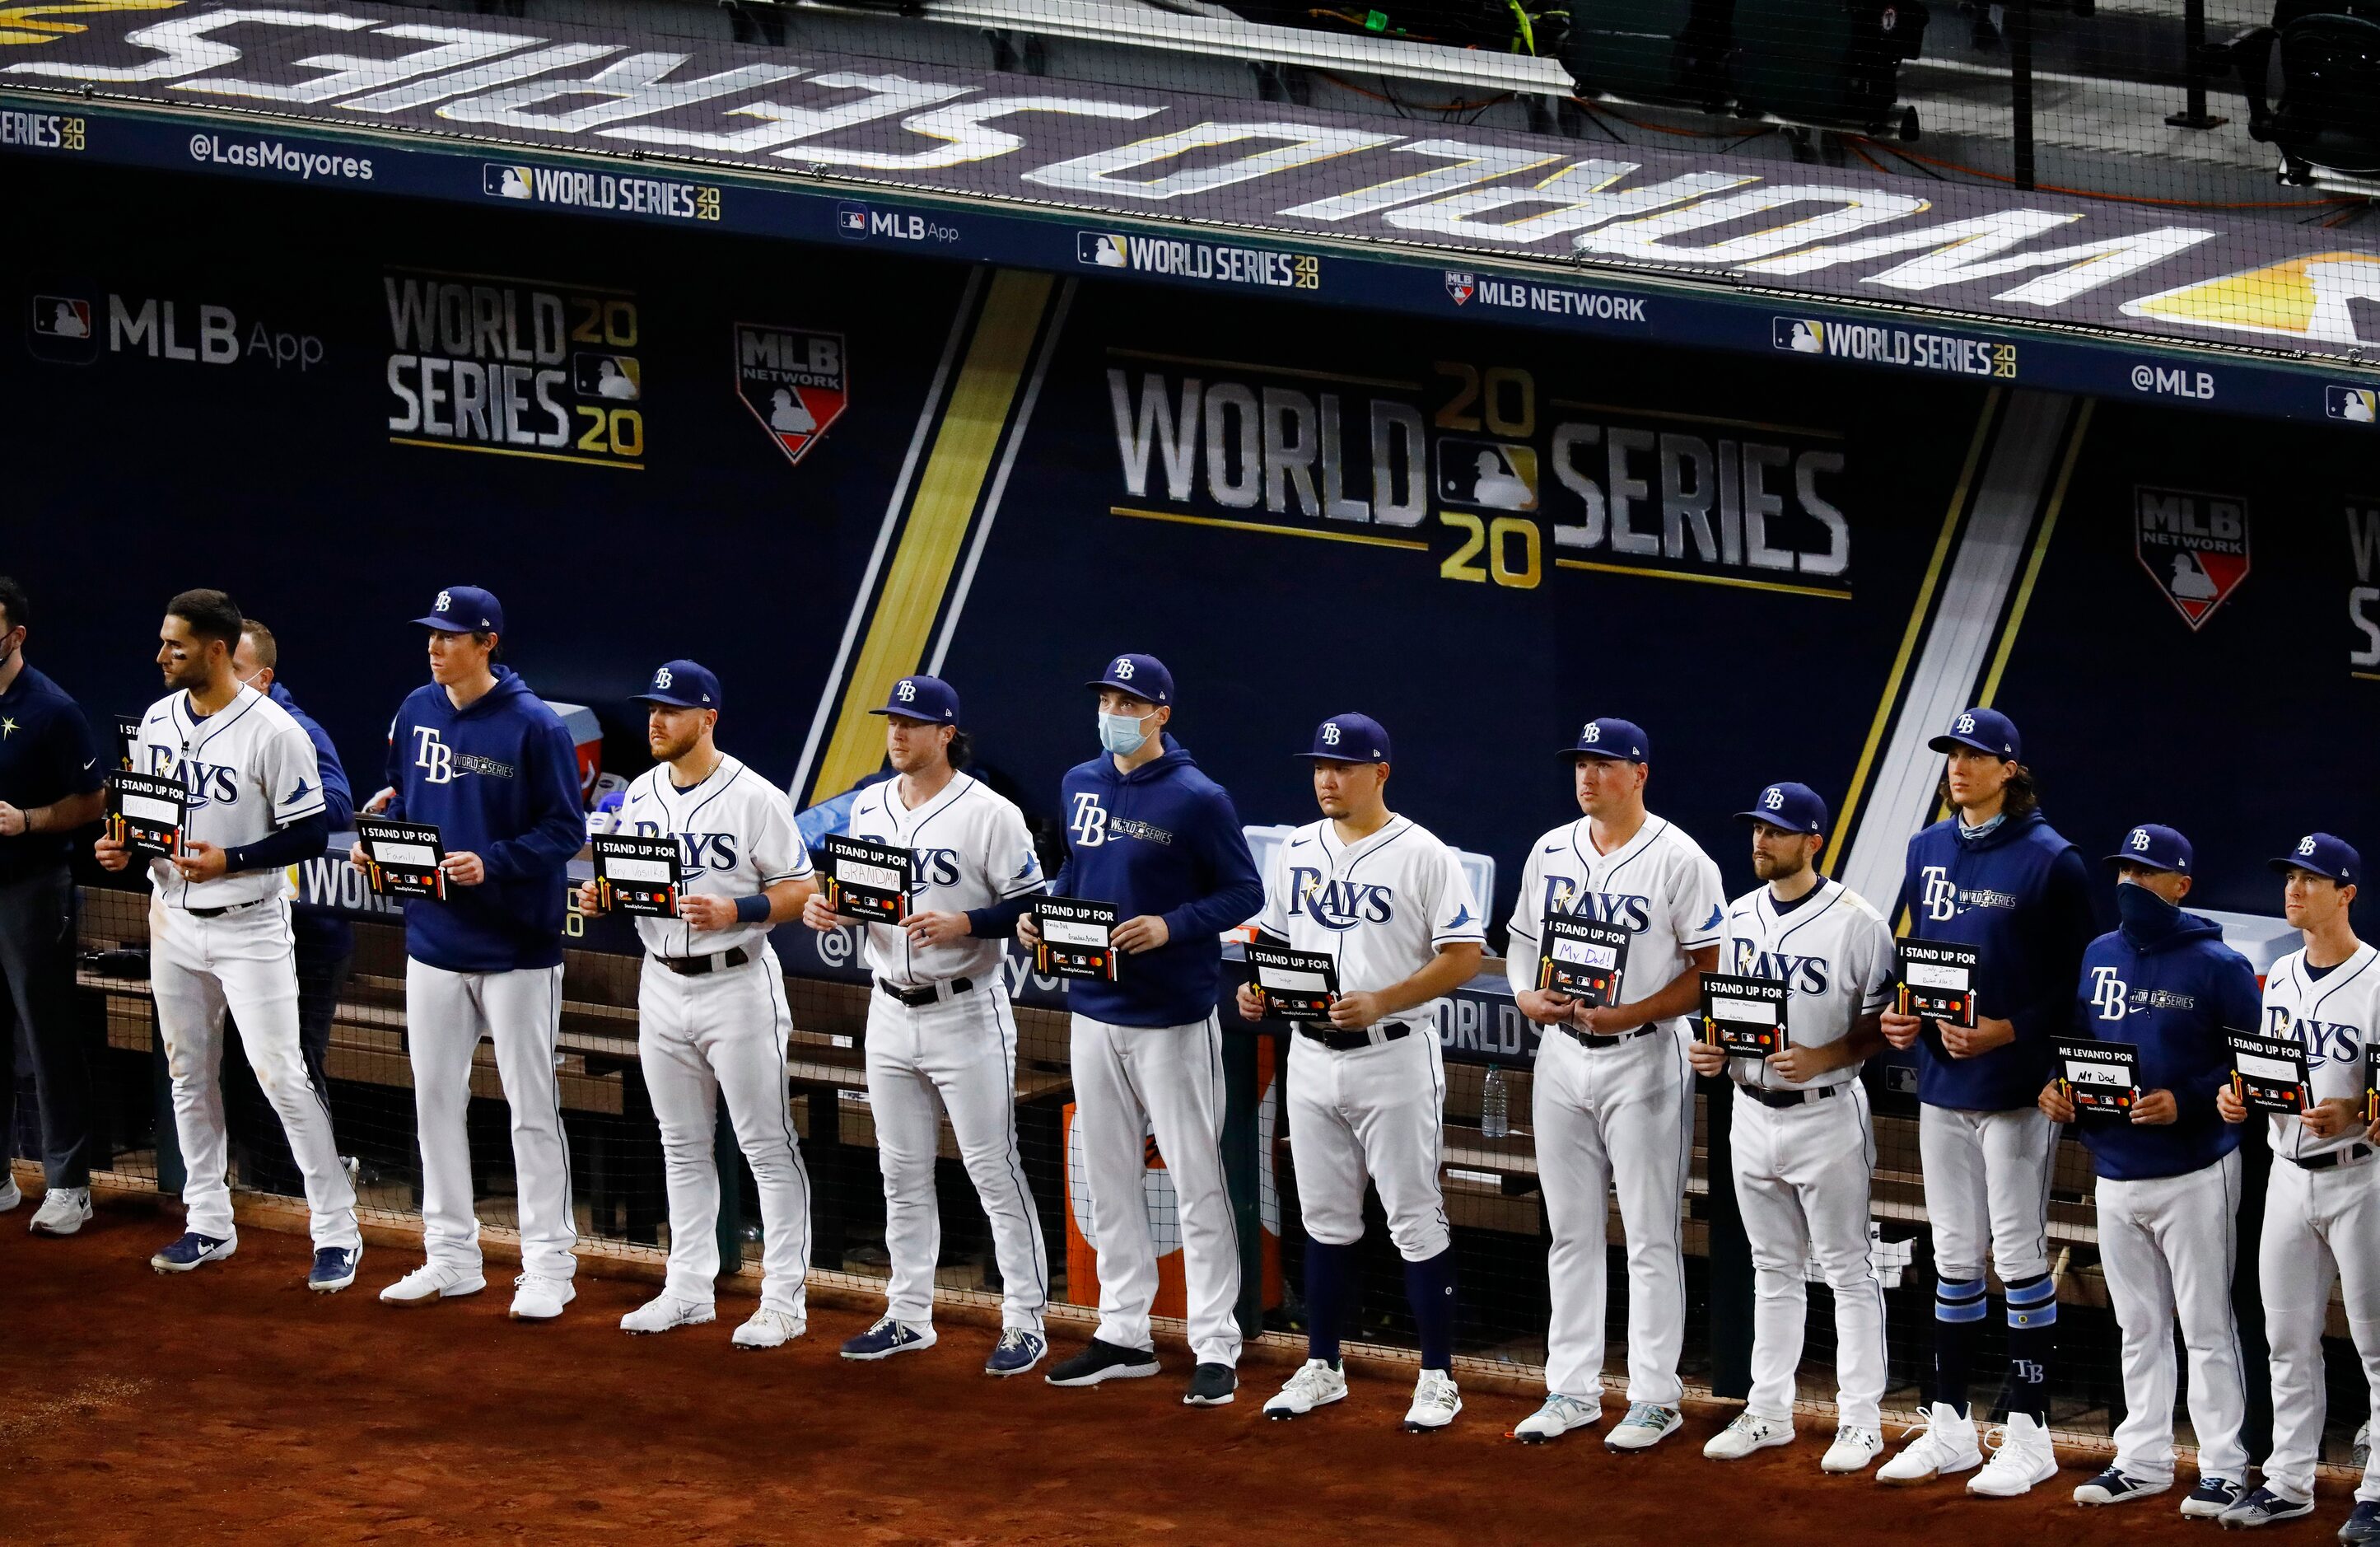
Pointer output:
x,y
1768,868
671,750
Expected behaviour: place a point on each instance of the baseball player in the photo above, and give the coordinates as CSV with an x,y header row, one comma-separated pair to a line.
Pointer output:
x,y
1388,903
477,755
1804,1148
2321,1207
711,1018
941,1038
1994,874
1149,833
2168,1174
219,928
1614,1096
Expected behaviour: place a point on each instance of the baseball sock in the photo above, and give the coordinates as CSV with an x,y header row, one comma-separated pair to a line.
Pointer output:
x,y
1429,1285
1326,1291
2033,1332
1958,1318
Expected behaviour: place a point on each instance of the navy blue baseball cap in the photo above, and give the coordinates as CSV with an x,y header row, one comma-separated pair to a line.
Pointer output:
x,y
1795,807
465,610
681,685
2156,846
2323,854
1986,730
1619,740
1144,676
1350,739
922,698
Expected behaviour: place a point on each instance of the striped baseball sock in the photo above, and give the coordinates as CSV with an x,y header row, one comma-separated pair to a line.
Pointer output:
x,y
2033,1335
1958,1312
1429,1285
1327,1269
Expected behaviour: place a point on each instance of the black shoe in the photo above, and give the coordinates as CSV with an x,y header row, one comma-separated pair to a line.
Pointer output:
x,y
1103,1361
1211,1385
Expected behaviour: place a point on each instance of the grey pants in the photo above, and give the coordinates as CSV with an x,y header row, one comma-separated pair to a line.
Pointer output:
x,y
38,1011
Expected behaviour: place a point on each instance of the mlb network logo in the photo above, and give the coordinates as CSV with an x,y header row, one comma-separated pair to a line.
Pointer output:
x,y
1460,286
2355,405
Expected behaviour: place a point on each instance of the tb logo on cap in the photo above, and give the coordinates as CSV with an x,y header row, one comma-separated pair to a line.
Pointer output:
x,y
444,601
907,692
1330,733
1772,799
2140,839
1592,733
2306,845
662,677
1121,671
1966,725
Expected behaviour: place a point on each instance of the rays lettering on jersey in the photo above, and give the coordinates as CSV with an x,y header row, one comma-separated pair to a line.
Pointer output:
x,y
1801,974
2326,1041
1626,909
932,867
697,852
209,783
1340,905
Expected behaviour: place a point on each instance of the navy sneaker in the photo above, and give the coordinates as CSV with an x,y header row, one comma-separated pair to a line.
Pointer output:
x,y
191,1250
1017,1352
1102,1361
2363,1526
2114,1487
334,1269
2211,1498
889,1337
1211,1385
2263,1507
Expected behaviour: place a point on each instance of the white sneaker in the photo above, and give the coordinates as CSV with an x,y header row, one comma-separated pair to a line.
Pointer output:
x,y
1435,1402
661,1313
539,1298
1854,1448
1556,1417
2021,1457
1647,1425
432,1282
770,1327
64,1211
1945,1443
10,1193
1315,1384
1746,1434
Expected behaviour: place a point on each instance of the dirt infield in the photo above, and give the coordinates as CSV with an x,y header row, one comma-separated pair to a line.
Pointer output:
x,y
233,1405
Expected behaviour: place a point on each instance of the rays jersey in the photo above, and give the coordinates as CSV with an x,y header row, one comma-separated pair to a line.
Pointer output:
x,y
249,771
735,837
968,849
1659,885
2334,1017
1832,952
1379,909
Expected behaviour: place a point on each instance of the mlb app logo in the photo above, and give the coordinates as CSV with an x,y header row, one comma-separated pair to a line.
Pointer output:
x,y
1102,250
851,222
2355,405
1487,475
616,377
60,329
501,180
1801,335
1459,285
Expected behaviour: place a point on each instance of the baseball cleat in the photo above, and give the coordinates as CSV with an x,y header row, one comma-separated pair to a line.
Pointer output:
x,y
1102,1361
1647,1425
1746,1434
1559,1416
334,1269
539,1298
1855,1446
10,1193
2211,1498
1318,1384
1211,1385
1018,1350
2114,1487
1435,1403
664,1312
64,1211
772,1326
2359,1453
192,1250
889,1337
2021,1457
1944,1444
2264,1507
432,1282
2363,1525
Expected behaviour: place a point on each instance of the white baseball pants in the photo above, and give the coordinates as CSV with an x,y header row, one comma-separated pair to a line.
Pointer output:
x,y
698,1039
1987,1187
2168,1245
1131,1081
446,1014
1615,1118
1377,1110
1801,1180
959,1056
2318,1225
243,962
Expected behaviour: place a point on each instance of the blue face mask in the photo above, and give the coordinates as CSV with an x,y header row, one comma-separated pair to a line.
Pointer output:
x,y
2145,917
1121,733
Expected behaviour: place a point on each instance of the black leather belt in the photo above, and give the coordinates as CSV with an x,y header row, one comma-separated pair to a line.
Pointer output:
x,y
1598,1039
1347,1041
2330,1158
918,998
695,966
1782,1099
229,908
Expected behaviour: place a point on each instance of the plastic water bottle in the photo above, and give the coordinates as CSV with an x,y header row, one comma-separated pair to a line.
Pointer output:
x,y
1493,1123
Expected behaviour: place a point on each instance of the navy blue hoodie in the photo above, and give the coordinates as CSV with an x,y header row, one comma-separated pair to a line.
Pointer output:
x,y
2172,996
2020,894
499,779
1161,839
325,928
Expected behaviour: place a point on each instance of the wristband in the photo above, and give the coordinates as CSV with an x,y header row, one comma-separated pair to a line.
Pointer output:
x,y
753,909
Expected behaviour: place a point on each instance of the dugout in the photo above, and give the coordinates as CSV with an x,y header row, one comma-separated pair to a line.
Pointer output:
x,y
821,421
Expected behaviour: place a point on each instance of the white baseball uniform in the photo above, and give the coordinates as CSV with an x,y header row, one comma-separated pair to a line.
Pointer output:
x,y
1803,1171
2321,1211
1618,1115
224,944
970,850
724,1031
1382,909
